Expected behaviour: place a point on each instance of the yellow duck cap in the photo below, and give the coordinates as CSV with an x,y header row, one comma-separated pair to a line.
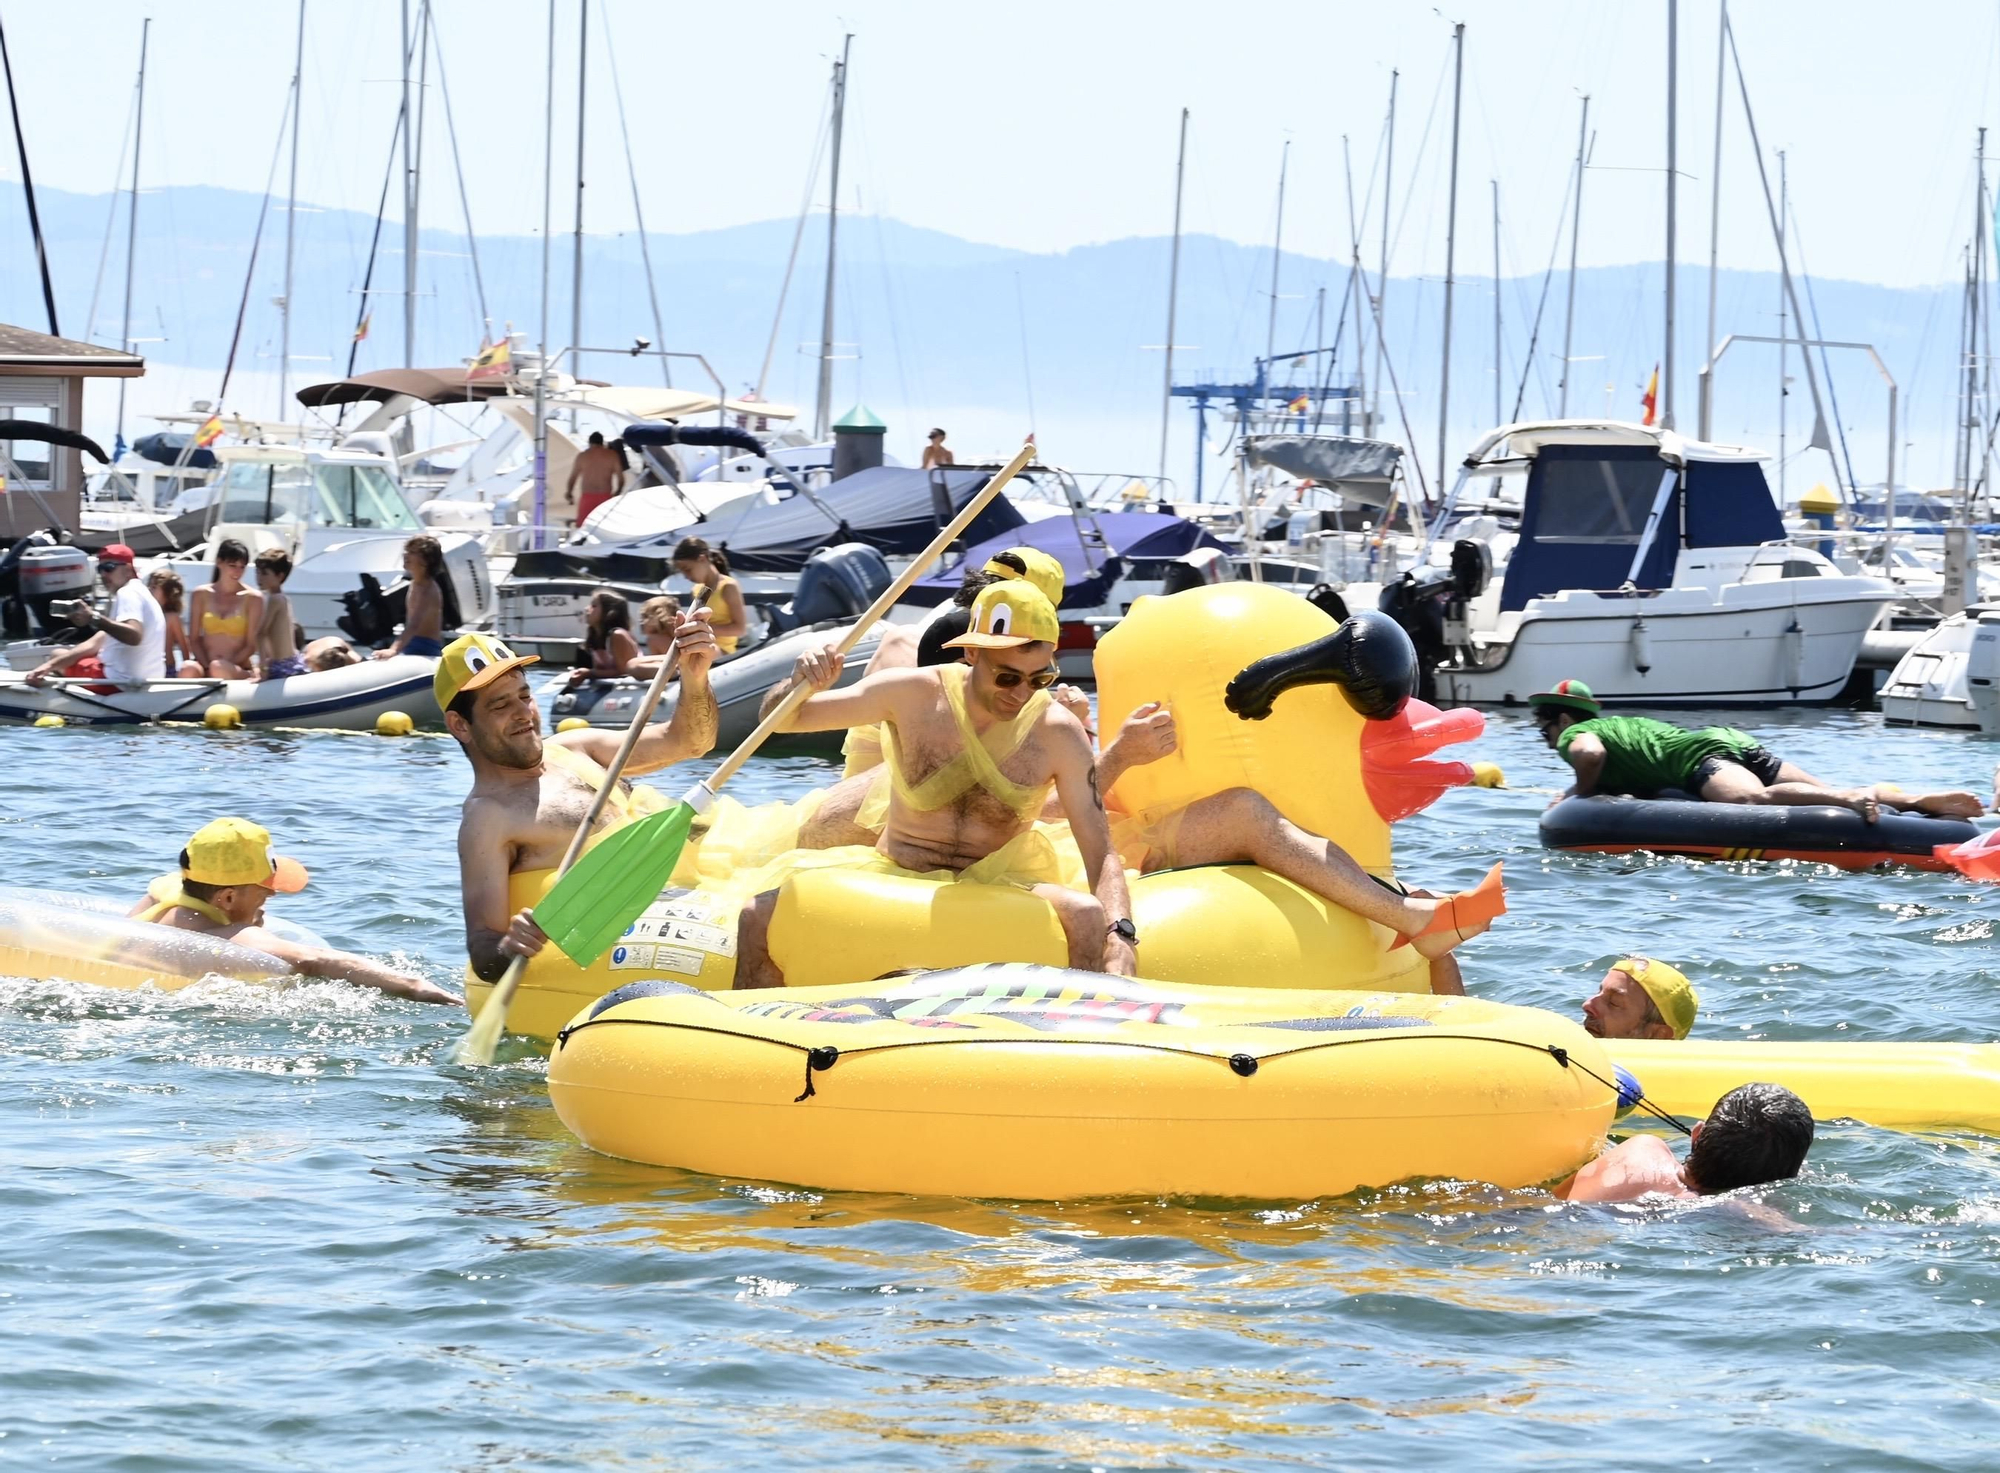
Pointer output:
x,y
472,662
1007,615
235,851
1043,570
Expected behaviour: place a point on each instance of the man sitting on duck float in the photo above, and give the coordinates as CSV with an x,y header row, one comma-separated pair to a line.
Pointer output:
x,y
1191,814
528,794
972,752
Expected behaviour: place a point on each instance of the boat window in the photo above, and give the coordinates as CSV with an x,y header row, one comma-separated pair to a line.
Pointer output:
x,y
1596,501
264,491
360,496
1799,568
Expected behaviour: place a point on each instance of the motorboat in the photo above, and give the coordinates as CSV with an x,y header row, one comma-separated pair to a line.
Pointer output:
x,y
347,699
1951,677
1641,557
338,513
135,494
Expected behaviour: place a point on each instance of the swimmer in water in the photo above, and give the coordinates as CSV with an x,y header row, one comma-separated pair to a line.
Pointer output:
x,y
1718,764
1757,1133
227,875
1641,998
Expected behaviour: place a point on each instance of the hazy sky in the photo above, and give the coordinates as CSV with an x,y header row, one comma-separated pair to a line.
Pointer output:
x,y
1047,125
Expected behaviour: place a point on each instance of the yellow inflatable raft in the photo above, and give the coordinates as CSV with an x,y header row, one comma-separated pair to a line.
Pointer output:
x,y
50,935
1906,1086
1034,1083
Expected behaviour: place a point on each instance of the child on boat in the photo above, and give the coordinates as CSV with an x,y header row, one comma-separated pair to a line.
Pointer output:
x,y
171,595
423,605
277,635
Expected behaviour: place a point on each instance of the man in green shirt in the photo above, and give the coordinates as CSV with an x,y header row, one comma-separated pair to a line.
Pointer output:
x,y
1643,757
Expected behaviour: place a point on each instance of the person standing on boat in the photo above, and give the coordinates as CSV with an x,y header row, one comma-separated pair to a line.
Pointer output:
x,y
227,875
423,603
530,793
601,470
937,453
707,568
129,641
226,617
1718,764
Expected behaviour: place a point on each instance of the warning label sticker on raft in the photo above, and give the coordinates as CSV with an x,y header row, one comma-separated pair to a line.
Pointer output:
x,y
646,957
697,934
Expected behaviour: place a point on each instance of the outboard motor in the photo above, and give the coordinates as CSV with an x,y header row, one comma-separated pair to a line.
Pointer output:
x,y
371,616
1202,566
1471,571
1417,605
839,582
36,573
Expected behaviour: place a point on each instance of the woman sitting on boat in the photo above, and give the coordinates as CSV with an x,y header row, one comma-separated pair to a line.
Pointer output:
x,y
608,645
225,617
707,568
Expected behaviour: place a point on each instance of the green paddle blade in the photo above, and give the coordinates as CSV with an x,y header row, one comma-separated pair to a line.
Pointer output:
x,y
611,886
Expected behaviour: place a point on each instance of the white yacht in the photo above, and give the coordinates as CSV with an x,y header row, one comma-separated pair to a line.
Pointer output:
x,y
1951,677
1653,568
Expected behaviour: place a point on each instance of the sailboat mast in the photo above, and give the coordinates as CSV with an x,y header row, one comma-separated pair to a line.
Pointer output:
x,y
1497,419
1173,301
409,208
823,413
1575,229
28,193
576,250
132,219
1982,332
1450,244
1705,400
291,221
1784,327
1277,249
542,366
1673,181
1382,278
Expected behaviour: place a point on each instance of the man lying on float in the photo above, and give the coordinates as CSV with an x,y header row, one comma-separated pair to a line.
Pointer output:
x,y
227,875
1718,764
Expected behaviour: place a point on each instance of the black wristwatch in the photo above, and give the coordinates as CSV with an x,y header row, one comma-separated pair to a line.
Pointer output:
x,y
1124,928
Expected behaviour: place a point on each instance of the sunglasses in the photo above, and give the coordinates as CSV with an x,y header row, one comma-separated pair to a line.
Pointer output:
x,y
111,567
1040,680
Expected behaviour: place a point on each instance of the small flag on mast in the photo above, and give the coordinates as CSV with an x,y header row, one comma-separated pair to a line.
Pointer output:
x,y
1299,405
210,431
495,360
361,332
1652,399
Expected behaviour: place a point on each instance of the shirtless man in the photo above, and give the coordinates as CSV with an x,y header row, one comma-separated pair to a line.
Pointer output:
x,y
1756,1133
528,795
1001,686
227,874
602,472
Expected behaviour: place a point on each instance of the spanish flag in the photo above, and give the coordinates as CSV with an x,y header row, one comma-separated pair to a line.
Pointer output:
x,y
361,332
210,431
1652,399
1299,405
495,360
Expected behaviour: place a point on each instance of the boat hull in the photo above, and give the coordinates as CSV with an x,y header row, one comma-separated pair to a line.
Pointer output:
x,y
349,699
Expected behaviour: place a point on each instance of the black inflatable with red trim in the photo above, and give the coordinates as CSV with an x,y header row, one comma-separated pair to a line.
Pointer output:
x,y
1818,834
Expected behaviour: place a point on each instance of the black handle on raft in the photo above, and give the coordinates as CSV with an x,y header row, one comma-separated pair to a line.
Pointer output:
x,y
1369,657
823,1057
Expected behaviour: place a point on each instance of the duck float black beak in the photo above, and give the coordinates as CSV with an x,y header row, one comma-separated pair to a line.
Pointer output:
x,y
1369,657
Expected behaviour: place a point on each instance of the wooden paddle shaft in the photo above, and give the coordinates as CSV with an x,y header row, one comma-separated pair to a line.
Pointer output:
x,y
698,796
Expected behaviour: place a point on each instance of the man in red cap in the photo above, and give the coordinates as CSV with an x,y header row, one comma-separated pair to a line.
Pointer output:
x,y
130,640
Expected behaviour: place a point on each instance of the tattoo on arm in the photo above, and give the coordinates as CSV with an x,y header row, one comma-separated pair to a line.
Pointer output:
x,y
1095,796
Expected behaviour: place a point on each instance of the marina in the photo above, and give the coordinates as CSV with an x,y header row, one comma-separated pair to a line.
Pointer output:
x,y
662,821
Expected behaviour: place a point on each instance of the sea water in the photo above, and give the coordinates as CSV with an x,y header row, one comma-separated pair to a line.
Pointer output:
x,y
254,1228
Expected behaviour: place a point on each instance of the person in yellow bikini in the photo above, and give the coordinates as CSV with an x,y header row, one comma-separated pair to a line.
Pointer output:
x,y
225,617
707,569
972,750
226,877
530,793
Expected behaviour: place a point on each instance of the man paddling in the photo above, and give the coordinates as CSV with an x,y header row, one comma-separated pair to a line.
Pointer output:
x,y
1757,1133
227,875
1718,764
530,793
973,750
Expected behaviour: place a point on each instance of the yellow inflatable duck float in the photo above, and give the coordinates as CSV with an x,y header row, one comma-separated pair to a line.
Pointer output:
x,y
1267,693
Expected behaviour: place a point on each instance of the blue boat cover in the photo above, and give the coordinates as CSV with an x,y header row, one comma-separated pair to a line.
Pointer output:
x,y
1131,537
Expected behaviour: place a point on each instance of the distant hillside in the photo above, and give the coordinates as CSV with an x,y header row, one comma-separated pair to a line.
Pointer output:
x,y
932,327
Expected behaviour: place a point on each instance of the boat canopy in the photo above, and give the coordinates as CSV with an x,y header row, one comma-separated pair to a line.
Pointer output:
x,y
1359,469
1506,450
174,448
1604,515
425,385
1129,537
634,402
897,509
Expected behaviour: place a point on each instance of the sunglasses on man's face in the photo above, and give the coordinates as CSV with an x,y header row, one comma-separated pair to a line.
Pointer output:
x,y
103,568
1040,680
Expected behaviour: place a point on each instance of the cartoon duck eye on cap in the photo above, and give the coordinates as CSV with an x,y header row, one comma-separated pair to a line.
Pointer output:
x,y
1007,615
472,662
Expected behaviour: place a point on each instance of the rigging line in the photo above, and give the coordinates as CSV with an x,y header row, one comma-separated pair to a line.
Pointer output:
x,y
1417,160
256,240
458,168
1027,373
1792,236
361,313
28,187
1548,275
110,222
632,178
867,173
798,234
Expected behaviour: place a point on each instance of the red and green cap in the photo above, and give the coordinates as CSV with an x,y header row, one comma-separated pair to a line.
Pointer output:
x,y
1573,695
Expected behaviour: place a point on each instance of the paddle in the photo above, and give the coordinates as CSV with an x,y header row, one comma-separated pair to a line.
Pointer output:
x,y
593,904
479,1043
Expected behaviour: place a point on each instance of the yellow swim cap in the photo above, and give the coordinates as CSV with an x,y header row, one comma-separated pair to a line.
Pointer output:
x,y
1669,989
235,851
1007,615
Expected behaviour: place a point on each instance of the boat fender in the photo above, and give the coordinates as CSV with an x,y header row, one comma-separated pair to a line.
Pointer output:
x,y
49,718
394,724
572,723
1488,775
222,717
1369,657
1642,647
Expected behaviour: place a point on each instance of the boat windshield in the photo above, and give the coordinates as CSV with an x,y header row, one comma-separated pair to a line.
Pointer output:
x,y
318,494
